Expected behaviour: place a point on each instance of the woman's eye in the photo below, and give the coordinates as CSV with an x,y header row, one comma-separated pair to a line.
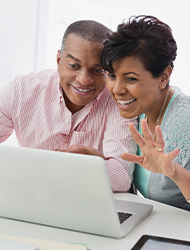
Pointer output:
x,y
131,79
112,76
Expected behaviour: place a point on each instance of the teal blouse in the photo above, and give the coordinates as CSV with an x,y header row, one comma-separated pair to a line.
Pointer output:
x,y
141,176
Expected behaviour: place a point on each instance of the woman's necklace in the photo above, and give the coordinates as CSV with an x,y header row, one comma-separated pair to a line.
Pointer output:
x,y
161,111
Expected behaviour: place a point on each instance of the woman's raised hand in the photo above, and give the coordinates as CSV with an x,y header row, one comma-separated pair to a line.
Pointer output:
x,y
153,157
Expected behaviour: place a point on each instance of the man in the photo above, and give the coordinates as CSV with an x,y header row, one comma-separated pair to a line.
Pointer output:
x,y
71,109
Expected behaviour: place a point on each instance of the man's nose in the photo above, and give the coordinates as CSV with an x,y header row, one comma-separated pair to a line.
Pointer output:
x,y
84,77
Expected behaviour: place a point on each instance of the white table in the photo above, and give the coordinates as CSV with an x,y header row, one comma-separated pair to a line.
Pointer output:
x,y
164,221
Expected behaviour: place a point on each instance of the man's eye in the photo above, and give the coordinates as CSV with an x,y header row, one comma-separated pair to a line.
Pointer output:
x,y
73,65
99,71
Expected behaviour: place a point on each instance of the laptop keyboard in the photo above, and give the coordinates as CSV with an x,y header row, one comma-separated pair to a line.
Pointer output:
x,y
123,216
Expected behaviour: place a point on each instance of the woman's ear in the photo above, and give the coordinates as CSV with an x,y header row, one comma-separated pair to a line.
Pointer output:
x,y
165,77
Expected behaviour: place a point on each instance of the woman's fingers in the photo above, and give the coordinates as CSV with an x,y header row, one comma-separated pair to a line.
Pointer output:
x,y
132,158
136,135
159,139
147,134
172,155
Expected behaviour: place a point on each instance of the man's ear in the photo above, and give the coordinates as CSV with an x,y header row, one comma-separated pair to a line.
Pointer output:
x,y
165,77
58,59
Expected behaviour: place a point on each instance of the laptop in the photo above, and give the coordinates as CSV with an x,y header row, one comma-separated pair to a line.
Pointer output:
x,y
64,190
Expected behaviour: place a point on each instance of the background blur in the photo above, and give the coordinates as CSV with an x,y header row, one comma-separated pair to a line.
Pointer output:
x,y
31,31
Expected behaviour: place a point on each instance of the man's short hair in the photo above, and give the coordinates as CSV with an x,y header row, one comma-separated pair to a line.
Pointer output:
x,y
89,30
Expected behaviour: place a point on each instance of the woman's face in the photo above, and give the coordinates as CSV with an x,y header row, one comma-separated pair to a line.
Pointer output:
x,y
134,88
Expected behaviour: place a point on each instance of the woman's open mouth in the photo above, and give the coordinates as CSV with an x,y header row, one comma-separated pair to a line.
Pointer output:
x,y
126,103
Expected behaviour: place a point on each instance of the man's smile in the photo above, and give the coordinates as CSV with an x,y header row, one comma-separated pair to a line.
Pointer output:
x,y
83,90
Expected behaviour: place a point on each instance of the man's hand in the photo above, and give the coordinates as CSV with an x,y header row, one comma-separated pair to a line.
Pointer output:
x,y
82,150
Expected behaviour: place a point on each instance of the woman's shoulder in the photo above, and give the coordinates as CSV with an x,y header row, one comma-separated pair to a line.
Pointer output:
x,y
176,129
179,106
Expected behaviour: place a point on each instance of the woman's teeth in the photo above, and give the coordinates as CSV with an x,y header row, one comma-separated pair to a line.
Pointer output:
x,y
125,103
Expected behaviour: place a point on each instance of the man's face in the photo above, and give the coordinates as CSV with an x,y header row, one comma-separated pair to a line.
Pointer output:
x,y
80,72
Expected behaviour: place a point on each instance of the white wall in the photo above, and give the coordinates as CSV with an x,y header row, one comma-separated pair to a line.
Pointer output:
x,y
111,12
32,30
18,30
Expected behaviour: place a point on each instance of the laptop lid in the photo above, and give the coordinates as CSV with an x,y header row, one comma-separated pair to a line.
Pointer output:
x,y
65,190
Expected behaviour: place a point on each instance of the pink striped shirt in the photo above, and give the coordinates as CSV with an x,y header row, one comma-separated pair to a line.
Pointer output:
x,y
34,107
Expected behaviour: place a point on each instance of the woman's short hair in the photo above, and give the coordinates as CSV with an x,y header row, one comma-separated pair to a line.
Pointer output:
x,y
144,37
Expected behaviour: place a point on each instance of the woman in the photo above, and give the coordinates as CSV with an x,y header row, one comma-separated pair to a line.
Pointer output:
x,y
139,59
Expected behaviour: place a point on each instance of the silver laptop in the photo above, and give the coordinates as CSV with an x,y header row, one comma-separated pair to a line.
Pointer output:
x,y
65,190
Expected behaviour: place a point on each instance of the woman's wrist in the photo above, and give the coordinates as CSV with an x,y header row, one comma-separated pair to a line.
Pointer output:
x,y
182,180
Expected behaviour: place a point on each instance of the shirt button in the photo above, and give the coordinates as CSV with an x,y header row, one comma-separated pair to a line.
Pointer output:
x,y
67,121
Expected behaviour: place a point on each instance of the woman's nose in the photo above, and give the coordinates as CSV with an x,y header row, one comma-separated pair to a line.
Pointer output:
x,y
119,88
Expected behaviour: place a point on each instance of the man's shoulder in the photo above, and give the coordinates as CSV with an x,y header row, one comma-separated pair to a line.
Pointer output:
x,y
48,73
105,96
107,102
